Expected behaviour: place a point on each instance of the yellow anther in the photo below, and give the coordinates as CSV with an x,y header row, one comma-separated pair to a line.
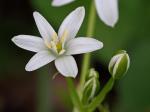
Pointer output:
x,y
61,52
54,47
64,36
54,37
55,44
48,44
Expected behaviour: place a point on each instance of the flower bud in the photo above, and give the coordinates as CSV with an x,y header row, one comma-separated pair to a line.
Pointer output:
x,y
93,73
119,64
91,86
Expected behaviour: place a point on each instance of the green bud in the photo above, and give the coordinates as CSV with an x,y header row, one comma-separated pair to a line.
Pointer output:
x,y
93,73
119,64
91,87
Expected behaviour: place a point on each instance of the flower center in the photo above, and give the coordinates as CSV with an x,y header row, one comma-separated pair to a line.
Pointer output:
x,y
57,44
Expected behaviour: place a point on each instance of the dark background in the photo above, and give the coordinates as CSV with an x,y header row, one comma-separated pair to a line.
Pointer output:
x,y
22,91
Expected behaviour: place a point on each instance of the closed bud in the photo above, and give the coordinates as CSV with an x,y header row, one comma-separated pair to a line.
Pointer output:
x,y
119,64
93,73
91,87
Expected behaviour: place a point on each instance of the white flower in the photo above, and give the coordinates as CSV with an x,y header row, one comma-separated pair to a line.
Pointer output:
x,y
106,9
57,47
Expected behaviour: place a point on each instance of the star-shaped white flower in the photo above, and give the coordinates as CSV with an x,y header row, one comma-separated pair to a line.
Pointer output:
x,y
58,47
106,9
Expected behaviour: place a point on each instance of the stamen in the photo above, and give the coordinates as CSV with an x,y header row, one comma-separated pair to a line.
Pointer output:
x,y
55,37
64,36
61,52
54,47
55,44
47,44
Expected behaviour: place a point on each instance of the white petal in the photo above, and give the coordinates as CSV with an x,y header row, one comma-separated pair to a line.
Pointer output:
x,y
45,29
117,63
108,11
67,66
38,60
61,2
31,43
71,24
113,62
82,45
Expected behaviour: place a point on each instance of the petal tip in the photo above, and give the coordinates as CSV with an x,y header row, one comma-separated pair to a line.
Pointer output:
x,y
35,13
53,4
101,45
67,66
28,68
74,76
71,76
108,11
81,9
14,39
112,25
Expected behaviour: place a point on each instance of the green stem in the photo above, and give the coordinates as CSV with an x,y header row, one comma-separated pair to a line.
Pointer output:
x,y
103,108
74,96
100,97
90,31
43,93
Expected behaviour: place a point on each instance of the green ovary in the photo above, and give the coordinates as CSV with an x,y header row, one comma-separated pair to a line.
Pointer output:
x,y
59,47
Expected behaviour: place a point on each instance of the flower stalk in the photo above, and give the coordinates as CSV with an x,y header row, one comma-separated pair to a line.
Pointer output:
x,y
74,96
90,31
101,96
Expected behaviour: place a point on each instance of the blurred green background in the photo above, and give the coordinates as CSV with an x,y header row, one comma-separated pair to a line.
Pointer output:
x,y
22,91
